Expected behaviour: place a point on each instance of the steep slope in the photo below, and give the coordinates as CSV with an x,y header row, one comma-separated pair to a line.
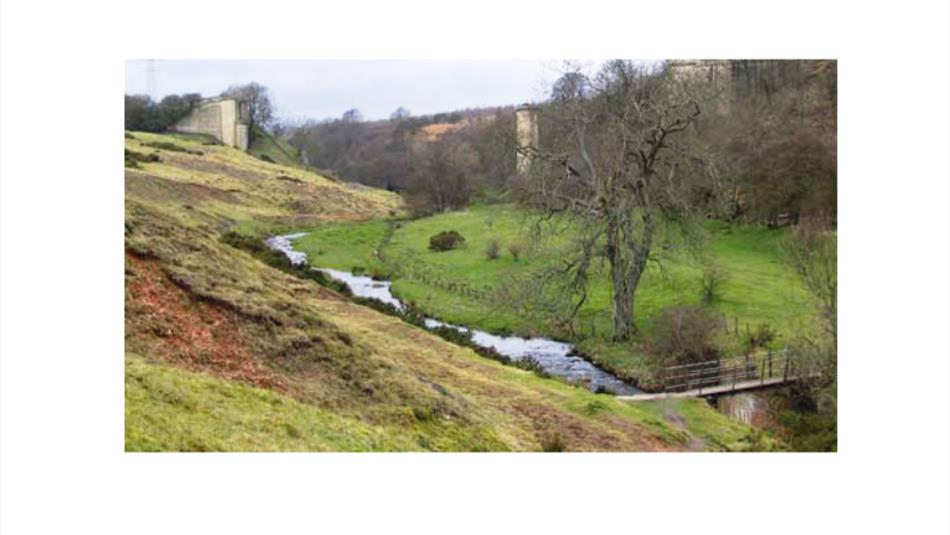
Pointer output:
x,y
231,325
272,148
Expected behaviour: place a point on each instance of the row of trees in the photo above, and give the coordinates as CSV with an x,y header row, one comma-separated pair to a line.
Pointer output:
x,y
144,114
436,171
775,152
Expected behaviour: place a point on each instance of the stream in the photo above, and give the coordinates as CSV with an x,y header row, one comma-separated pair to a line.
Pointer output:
x,y
555,358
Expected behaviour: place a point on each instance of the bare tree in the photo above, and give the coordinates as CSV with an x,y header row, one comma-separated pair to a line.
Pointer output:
x,y
400,114
444,176
614,169
257,97
352,116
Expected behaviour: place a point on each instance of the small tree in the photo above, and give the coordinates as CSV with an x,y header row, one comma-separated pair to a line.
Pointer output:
x,y
714,278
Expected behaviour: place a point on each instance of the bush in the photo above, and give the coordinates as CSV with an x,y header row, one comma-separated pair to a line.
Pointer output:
x,y
762,336
684,335
714,277
492,250
445,241
132,158
516,250
266,158
531,364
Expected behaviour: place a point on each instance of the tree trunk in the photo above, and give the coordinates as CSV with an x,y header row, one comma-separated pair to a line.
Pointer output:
x,y
623,291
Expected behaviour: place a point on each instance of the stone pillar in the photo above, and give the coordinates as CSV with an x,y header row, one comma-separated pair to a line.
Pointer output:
x,y
526,134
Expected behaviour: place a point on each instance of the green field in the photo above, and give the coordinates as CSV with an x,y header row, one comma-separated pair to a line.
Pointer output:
x,y
760,287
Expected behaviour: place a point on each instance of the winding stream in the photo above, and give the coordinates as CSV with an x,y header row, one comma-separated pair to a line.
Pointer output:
x,y
556,358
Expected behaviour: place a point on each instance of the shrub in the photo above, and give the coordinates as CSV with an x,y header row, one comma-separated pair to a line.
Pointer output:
x,y
532,365
266,158
516,250
132,158
714,277
492,250
762,336
445,241
684,334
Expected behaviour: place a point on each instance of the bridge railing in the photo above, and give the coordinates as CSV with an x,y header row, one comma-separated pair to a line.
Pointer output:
x,y
769,367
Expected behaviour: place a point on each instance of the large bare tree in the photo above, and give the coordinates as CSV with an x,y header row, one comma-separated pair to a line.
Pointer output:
x,y
612,165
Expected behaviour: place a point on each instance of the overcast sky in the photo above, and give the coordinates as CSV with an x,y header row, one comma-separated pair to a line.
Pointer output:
x,y
317,89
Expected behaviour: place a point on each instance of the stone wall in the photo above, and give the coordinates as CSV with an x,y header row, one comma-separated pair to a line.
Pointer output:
x,y
223,118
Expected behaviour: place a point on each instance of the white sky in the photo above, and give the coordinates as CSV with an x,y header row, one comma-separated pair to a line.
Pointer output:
x,y
317,89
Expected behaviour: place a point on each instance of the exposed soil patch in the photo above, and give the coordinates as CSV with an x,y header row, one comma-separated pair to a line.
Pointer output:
x,y
172,325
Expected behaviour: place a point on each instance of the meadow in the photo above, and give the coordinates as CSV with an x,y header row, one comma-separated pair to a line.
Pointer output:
x,y
466,286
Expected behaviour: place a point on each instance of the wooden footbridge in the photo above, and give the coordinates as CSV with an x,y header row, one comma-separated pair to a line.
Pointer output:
x,y
727,376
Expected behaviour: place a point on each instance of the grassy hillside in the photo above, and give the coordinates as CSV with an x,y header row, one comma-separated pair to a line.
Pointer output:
x,y
168,409
265,146
760,287
227,353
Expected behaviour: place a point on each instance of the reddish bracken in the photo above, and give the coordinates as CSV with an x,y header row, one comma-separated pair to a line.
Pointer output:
x,y
179,328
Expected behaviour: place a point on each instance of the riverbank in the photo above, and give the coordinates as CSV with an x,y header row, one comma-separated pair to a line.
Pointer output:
x,y
552,357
